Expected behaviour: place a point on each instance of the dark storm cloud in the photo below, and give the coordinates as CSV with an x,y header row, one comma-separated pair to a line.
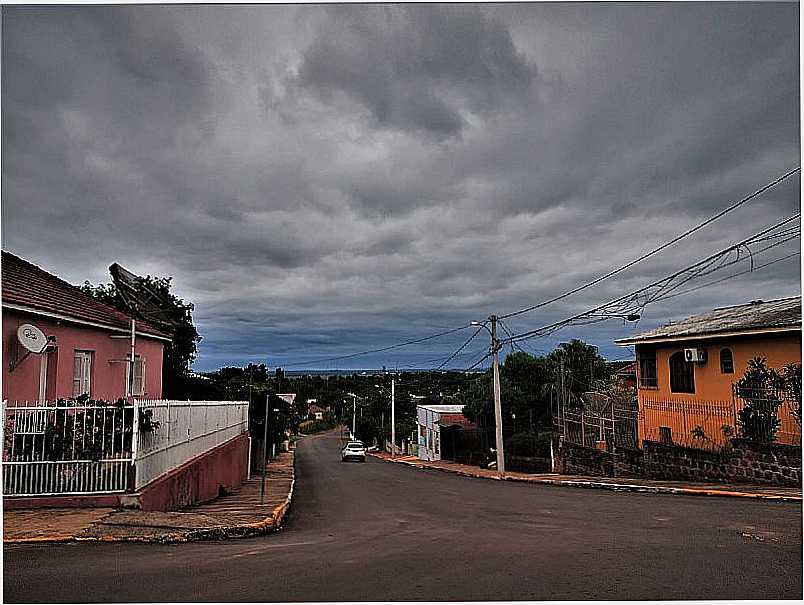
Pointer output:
x,y
420,68
321,180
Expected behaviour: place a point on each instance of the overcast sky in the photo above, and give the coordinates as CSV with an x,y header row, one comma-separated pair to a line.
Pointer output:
x,y
320,180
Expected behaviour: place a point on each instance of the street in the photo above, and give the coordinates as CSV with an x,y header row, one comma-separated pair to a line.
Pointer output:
x,y
384,532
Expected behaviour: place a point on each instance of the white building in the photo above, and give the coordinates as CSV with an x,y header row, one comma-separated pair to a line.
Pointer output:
x,y
429,429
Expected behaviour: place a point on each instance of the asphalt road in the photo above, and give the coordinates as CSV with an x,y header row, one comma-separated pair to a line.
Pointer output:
x,y
381,532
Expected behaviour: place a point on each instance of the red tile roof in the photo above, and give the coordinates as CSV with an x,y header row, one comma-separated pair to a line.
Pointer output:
x,y
451,419
29,286
629,369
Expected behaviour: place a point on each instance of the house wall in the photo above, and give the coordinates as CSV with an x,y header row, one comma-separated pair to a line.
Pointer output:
x,y
712,387
108,377
428,443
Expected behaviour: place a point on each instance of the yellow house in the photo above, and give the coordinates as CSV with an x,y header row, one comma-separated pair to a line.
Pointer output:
x,y
685,369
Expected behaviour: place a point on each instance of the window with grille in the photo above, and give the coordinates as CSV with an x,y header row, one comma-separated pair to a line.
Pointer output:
x,y
682,374
82,373
647,369
726,361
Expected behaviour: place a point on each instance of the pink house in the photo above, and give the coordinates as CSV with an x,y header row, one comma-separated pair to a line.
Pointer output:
x,y
90,341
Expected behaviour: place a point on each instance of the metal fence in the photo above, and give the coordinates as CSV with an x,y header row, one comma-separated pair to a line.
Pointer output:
x,y
61,448
769,415
700,424
174,432
97,447
594,418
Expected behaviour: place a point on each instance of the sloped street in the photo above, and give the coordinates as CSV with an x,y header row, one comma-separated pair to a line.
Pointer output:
x,y
382,532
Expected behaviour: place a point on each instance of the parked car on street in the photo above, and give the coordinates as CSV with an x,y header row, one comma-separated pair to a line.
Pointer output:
x,y
354,450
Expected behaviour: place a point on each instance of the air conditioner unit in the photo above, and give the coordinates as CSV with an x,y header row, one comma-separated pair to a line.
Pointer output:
x,y
695,355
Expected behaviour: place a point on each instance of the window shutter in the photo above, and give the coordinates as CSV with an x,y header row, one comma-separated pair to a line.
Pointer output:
x,y
77,372
87,374
139,376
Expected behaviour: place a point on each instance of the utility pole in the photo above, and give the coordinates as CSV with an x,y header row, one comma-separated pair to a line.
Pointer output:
x,y
393,422
561,400
495,351
354,414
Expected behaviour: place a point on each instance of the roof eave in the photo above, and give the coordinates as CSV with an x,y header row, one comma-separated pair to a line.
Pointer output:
x,y
83,322
706,335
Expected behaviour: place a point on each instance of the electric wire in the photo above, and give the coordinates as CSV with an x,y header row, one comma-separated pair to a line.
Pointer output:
x,y
382,349
655,250
621,306
597,280
728,277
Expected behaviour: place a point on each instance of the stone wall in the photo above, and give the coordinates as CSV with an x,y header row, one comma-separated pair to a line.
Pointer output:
x,y
743,462
628,462
575,459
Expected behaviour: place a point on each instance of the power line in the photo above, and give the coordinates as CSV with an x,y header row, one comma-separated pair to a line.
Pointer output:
x,y
728,277
461,348
655,250
630,303
597,280
382,349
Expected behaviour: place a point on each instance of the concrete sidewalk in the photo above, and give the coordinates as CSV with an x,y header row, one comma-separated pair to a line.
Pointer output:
x,y
238,514
733,490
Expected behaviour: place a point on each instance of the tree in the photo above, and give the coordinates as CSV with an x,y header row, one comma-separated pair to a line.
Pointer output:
x,y
582,365
182,350
758,387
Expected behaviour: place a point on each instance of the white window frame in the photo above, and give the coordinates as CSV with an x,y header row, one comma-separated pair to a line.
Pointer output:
x,y
84,371
138,361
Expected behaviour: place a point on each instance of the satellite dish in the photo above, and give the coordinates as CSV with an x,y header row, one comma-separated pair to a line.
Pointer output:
x,y
32,338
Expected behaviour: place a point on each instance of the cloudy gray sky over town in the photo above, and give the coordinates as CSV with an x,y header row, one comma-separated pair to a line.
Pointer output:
x,y
321,180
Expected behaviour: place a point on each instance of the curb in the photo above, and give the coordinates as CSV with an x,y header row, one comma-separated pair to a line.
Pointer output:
x,y
617,487
271,523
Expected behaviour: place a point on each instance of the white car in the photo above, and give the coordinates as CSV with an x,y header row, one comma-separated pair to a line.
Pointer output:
x,y
354,450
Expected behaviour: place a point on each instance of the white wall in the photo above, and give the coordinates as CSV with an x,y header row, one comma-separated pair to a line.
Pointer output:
x,y
429,444
186,430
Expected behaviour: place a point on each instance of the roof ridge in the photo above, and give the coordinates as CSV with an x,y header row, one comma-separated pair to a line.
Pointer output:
x,y
88,299
755,302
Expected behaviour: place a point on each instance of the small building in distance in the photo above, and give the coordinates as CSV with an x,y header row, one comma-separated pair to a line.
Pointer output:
x,y
316,412
431,420
90,347
685,369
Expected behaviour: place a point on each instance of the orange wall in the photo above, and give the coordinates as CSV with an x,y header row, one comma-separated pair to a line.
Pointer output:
x,y
710,383
711,405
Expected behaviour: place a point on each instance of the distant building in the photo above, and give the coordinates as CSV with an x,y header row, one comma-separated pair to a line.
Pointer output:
x,y
316,412
89,350
685,369
429,420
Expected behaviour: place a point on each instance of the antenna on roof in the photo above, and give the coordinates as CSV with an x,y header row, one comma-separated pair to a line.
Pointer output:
x,y
143,302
